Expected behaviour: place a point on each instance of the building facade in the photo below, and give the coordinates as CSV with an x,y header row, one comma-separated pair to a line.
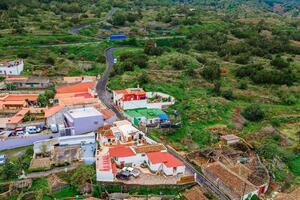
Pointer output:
x,y
11,67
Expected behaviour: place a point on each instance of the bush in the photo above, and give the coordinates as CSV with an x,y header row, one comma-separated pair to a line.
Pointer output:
x,y
228,94
242,59
152,49
253,113
243,85
212,72
280,63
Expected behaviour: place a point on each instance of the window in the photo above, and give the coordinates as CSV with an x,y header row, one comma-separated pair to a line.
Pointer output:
x,y
143,155
95,122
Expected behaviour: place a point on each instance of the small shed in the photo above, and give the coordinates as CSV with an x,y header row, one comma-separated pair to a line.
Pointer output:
x,y
230,139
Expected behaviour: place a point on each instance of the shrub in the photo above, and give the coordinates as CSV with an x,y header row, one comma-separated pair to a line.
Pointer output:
x,y
228,94
253,113
280,63
242,59
243,85
212,72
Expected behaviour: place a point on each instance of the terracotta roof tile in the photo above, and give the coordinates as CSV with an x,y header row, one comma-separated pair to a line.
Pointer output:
x,y
121,151
235,183
80,87
51,111
164,157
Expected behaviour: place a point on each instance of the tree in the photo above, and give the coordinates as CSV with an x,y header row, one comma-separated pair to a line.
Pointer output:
x,y
212,72
118,19
280,63
49,94
228,94
9,170
42,100
253,113
152,49
242,59
82,175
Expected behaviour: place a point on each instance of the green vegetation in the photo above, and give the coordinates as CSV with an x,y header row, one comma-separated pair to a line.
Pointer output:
x,y
219,59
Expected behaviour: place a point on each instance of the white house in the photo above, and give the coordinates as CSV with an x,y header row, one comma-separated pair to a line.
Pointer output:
x,y
125,132
83,120
11,67
130,98
142,150
165,162
123,155
105,169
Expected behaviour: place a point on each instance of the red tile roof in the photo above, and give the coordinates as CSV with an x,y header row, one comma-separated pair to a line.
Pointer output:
x,y
17,118
21,97
51,111
85,95
80,87
164,157
121,151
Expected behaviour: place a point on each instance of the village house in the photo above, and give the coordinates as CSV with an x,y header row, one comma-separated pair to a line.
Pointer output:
x,y
121,132
28,82
17,101
130,98
146,116
11,67
164,162
85,119
236,187
78,94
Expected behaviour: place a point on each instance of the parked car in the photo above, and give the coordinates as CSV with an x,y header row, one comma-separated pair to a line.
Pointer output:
x,y
115,60
32,129
54,128
2,159
124,175
19,131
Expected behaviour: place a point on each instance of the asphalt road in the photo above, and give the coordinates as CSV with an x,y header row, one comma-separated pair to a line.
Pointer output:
x,y
103,94
76,29
105,97
12,143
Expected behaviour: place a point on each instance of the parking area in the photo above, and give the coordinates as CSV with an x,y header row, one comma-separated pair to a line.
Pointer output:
x,y
146,177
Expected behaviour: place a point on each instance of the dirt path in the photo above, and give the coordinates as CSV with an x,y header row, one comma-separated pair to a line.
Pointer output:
x,y
53,171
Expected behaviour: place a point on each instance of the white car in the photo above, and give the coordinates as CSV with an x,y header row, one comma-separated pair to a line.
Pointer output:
x,y
2,159
115,60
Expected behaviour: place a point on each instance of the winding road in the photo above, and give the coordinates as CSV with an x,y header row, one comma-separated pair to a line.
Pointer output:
x,y
102,92
105,97
76,29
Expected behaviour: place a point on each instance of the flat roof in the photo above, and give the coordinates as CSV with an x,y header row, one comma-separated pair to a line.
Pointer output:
x,y
144,112
84,112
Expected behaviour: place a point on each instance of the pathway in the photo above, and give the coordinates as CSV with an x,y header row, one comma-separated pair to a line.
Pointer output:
x,y
16,142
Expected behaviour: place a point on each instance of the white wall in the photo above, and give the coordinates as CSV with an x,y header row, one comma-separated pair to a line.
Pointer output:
x,y
153,167
127,160
134,104
13,70
107,176
72,140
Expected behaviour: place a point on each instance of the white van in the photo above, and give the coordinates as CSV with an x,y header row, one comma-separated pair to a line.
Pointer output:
x,y
31,130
